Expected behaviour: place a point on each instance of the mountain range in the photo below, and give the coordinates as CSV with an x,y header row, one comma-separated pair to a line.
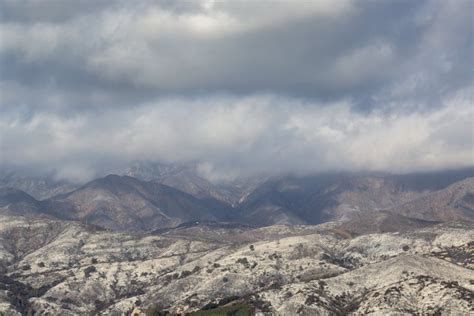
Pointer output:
x,y
163,240
163,197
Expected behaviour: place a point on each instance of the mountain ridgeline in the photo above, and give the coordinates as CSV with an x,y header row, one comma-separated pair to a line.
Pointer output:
x,y
168,197
169,242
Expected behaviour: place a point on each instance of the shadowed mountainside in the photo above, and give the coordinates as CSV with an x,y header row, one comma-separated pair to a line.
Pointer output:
x,y
313,200
127,203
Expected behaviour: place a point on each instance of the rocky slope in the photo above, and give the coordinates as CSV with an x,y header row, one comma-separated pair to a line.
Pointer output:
x,y
184,177
455,202
67,268
187,178
17,202
264,200
317,199
370,222
125,203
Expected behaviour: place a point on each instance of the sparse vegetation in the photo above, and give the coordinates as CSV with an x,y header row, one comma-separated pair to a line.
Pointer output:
x,y
281,277
156,310
185,273
89,270
26,267
243,261
237,309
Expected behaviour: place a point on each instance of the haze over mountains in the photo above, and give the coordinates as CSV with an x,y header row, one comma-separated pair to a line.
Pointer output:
x,y
236,157
171,195
162,239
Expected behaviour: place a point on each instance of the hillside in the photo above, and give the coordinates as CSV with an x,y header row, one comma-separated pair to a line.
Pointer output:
x,y
65,268
455,202
131,204
317,199
126,203
17,202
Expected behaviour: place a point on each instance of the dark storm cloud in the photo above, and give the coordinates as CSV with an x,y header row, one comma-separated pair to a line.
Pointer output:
x,y
315,78
353,51
47,10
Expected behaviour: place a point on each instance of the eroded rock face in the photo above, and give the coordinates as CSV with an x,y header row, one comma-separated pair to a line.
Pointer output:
x,y
66,268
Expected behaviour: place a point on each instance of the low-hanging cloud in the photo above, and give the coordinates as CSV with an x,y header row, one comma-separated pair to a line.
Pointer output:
x,y
236,87
244,135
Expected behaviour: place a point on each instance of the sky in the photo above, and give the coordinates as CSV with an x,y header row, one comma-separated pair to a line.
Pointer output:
x,y
237,87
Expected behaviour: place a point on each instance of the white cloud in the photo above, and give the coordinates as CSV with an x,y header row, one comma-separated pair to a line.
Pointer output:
x,y
235,135
238,87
